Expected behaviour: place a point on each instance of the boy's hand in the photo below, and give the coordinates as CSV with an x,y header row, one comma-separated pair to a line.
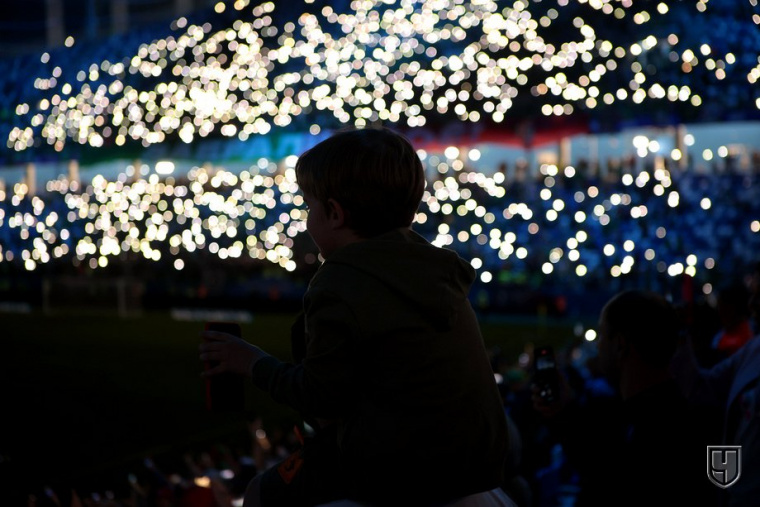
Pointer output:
x,y
232,354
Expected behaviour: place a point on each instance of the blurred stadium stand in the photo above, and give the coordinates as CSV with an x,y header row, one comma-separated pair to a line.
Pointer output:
x,y
612,192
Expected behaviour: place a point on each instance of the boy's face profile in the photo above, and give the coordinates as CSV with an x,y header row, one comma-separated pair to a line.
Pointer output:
x,y
318,225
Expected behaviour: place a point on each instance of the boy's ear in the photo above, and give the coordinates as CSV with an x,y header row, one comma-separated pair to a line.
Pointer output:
x,y
336,214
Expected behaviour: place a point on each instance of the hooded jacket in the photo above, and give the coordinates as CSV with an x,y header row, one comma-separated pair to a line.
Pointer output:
x,y
392,350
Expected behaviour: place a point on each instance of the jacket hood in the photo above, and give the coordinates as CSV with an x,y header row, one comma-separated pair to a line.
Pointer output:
x,y
435,280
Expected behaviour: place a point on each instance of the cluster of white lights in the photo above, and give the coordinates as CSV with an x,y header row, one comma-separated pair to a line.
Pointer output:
x,y
258,214
403,61
229,215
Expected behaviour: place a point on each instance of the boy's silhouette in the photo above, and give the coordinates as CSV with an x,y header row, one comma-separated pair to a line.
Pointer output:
x,y
389,364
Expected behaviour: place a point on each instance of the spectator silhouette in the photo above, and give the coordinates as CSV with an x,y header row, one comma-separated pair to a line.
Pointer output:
x,y
646,445
732,385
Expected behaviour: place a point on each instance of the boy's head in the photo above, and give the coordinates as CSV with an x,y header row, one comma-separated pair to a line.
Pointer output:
x,y
374,174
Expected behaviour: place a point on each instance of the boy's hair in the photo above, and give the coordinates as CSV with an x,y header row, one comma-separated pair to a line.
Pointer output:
x,y
374,173
648,320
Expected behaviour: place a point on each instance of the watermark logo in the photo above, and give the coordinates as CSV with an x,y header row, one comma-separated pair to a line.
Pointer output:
x,y
724,464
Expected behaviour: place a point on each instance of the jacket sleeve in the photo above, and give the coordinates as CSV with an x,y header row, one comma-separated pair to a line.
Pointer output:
x,y
325,383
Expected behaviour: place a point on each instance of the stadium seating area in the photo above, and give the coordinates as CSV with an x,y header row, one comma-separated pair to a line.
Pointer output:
x,y
547,239
565,232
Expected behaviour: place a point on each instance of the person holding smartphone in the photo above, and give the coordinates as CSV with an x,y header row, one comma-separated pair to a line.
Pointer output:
x,y
390,366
